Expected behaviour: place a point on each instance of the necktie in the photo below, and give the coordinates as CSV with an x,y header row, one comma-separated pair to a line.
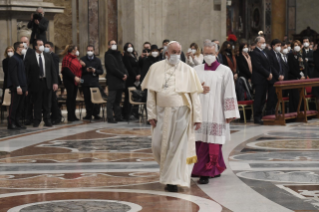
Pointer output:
x,y
41,66
278,59
264,54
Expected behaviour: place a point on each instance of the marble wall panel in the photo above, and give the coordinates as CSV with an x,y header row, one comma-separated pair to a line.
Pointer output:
x,y
94,25
307,15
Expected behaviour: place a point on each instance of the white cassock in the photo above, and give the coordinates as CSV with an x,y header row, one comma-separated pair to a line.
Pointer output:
x,y
173,101
218,105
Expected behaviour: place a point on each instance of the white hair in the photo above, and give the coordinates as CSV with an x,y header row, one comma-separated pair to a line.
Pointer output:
x,y
209,43
40,8
172,42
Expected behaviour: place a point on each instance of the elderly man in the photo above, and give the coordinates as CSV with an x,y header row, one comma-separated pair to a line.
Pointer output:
x,y
219,108
173,109
39,26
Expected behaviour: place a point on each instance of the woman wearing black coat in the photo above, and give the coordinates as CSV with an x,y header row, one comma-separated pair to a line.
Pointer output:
x,y
131,64
315,90
149,61
297,70
245,70
9,52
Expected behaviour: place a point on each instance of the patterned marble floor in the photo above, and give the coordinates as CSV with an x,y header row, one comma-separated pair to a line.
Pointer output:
x,y
100,167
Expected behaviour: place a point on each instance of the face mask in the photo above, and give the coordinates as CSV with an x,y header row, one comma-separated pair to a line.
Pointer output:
x,y
41,48
233,47
285,51
245,50
154,54
77,53
24,51
278,49
174,59
263,46
189,50
297,48
10,54
306,44
46,50
25,45
194,51
289,48
130,49
89,53
114,47
209,59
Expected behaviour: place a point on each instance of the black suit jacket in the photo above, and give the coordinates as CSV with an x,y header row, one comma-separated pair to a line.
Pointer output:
x,y
5,67
91,79
275,66
294,68
133,68
33,72
243,67
309,56
285,67
56,61
261,67
39,31
16,75
115,70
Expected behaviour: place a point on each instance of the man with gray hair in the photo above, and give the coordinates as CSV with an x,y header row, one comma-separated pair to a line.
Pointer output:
x,y
219,108
39,25
173,110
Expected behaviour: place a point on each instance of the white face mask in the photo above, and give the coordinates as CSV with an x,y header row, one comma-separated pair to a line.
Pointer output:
x,y
10,54
263,46
278,48
306,44
114,47
77,53
89,53
154,54
245,50
189,50
41,48
46,50
209,59
25,45
285,51
194,51
297,48
233,47
289,48
24,51
174,59
130,49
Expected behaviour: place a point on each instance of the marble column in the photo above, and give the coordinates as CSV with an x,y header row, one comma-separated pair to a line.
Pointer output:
x,y
74,22
278,19
83,26
112,19
94,25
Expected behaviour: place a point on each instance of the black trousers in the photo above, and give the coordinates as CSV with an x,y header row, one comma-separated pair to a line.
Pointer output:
x,y
113,104
42,102
272,100
55,109
260,98
29,107
91,109
71,90
16,106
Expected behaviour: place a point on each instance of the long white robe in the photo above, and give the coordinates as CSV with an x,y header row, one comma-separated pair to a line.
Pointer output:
x,y
176,107
218,105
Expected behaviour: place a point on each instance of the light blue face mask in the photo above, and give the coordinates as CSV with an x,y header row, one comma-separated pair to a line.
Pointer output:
x,y
47,50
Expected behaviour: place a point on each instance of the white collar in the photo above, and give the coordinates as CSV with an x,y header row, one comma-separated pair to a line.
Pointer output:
x,y
39,54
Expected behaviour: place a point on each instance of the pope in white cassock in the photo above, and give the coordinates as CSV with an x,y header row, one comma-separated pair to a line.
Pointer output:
x,y
174,111
219,108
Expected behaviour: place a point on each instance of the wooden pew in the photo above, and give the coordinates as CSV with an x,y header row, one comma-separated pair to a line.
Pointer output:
x,y
300,116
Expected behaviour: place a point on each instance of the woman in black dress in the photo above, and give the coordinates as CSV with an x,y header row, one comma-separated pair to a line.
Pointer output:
x,y
132,66
297,71
9,52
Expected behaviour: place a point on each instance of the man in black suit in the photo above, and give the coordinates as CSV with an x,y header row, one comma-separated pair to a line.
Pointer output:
x,y
17,82
308,54
284,61
260,77
277,70
90,75
29,105
39,25
42,79
56,115
115,78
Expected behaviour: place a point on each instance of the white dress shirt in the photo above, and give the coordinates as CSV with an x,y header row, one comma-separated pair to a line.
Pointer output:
x,y
43,61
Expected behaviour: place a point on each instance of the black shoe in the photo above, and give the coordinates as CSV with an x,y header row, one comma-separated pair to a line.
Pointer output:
x,y
55,122
259,122
36,124
171,188
28,122
111,121
13,127
97,117
20,126
48,124
73,119
203,180
87,118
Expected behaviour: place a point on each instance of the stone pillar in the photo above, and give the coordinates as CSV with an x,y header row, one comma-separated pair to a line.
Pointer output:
x,y
278,19
83,26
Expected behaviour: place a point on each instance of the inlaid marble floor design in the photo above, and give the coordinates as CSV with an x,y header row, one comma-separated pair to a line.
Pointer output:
x,y
110,168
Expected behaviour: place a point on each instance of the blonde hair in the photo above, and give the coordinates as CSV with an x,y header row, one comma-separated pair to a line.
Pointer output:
x,y
6,51
68,49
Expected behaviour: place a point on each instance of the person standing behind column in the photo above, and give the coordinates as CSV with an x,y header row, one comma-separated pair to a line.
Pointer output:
x,y
9,52
260,77
90,75
71,73
56,115
17,82
42,79
39,25
116,75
